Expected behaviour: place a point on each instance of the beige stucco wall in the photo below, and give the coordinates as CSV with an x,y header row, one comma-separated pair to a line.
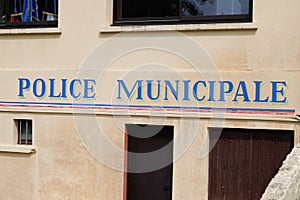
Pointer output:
x,y
273,45
61,167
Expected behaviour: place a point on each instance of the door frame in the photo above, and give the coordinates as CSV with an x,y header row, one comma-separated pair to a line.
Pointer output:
x,y
126,139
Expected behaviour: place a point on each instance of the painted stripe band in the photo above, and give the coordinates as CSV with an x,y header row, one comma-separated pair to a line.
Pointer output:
x,y
188,109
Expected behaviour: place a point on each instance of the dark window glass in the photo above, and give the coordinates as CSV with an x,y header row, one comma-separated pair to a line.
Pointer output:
x,y
214,7
28,13
181,11
149,8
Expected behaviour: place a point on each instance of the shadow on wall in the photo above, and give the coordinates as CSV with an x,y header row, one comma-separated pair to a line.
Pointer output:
x,y
286,184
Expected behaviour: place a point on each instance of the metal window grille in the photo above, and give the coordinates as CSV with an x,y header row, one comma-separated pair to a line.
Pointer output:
x,y
24,132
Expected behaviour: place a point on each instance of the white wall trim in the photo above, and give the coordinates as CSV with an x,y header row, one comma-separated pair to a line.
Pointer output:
x,y
181,27
18,149
20,31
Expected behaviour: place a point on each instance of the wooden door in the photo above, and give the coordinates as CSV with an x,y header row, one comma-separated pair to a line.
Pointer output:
x,y
243,161
153,184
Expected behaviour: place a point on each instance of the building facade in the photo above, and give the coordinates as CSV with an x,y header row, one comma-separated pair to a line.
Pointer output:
x,y
123,100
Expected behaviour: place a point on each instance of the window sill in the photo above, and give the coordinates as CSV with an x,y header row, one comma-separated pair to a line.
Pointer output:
x,y
18,149
19,31
181,27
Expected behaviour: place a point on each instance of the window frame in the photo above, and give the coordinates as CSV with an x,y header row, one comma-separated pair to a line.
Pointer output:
x,y
28,134
119,21
33,24
28,24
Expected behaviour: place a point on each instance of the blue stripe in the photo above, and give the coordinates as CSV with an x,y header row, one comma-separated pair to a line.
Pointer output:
x,y
149,107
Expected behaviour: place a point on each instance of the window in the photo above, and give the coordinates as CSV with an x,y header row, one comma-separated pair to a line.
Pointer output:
x,y
28,13
24,131
145,12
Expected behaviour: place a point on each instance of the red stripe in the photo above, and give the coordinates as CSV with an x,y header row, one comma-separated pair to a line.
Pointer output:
x,y
155,109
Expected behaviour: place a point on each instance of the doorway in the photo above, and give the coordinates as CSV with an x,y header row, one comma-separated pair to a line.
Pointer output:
x,y
243,161
149,176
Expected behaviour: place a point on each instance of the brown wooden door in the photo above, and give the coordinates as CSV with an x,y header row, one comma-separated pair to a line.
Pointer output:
x,y
152,185
243,161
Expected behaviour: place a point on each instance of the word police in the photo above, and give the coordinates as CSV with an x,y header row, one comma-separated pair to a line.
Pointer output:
x,y
63,88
